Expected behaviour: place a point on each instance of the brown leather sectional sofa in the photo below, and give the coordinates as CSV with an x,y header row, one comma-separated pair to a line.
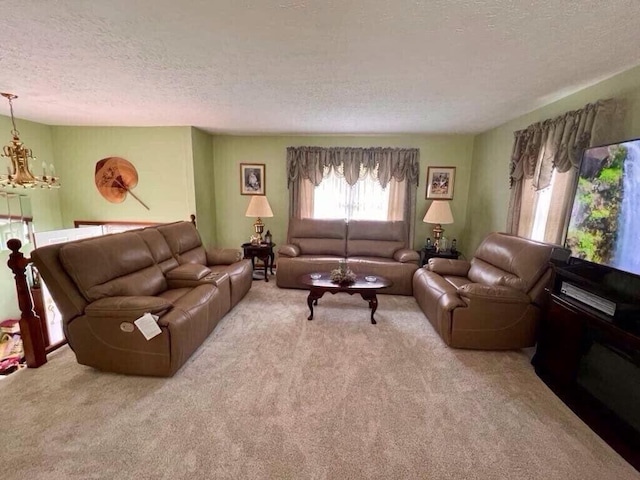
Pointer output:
x,y
492,302
102,285
375,248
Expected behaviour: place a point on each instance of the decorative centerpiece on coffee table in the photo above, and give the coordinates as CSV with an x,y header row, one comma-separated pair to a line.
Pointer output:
x,y
342,274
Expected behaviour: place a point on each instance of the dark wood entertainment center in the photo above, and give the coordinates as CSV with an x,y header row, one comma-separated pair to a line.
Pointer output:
x,y
591,359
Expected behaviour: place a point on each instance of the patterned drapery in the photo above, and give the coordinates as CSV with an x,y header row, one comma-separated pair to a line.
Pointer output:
x,y
307,166
557,144
313,163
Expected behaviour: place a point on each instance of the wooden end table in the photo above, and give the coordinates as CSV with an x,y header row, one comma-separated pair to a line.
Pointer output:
x,y
264,252
367,290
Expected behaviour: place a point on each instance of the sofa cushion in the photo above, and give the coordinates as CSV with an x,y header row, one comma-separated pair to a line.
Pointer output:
x,y
159,248
524,258
173,294
483,272
185,243
447,266
113,265
290,269
318,237
367,238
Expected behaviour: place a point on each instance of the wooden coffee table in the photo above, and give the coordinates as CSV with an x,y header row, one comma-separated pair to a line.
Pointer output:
x,y
368,290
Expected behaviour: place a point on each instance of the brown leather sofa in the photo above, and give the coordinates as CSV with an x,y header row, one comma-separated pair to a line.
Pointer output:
x,y
492,302
370,247
102,285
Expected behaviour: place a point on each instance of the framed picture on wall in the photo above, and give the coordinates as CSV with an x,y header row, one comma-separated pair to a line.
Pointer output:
x,y
252,179
440,182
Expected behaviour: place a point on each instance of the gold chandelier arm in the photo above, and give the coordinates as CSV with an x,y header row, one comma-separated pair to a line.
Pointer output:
x,y
19,172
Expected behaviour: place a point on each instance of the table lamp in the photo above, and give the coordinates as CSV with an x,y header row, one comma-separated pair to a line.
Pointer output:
x,y
438,213
259,207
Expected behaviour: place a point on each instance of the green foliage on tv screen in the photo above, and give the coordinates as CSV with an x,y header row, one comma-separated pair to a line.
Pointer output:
x,y
598,198
610,176
588,243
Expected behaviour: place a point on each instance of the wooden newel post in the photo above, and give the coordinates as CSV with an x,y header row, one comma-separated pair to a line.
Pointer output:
x,y
30,326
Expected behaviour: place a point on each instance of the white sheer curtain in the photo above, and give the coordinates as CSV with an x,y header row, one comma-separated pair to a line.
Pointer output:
x,y
397,200
544,212
366,200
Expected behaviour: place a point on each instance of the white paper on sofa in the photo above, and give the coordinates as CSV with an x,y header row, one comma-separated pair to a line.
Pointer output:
x,y
148,326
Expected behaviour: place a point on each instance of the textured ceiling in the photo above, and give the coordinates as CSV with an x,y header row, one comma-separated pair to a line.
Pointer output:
x,y
296,66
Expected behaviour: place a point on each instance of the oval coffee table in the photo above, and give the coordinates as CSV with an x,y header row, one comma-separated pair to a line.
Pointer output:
x,y
367,290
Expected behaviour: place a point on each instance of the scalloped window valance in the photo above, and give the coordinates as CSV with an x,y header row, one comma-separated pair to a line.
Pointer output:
x,y
545,161
314,163
558,143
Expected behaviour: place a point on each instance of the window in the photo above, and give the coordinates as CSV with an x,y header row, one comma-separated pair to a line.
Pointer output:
x,y
544,212
318,187
335,198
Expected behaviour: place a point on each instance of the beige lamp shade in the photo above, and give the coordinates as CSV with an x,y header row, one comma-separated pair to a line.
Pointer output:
x,y
439,213
259,207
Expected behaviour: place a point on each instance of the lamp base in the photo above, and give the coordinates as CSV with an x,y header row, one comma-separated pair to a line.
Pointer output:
x,y
437,234
258,227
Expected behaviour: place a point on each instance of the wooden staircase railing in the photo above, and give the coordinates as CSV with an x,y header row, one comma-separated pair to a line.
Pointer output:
x,y
31,330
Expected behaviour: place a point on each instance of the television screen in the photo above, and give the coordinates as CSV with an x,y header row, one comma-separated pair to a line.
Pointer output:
x,y
605,219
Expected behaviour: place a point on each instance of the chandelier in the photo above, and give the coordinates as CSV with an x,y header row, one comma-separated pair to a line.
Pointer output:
x,y
21,161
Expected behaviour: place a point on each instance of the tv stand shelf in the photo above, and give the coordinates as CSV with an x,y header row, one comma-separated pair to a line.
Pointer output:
x,y
591,360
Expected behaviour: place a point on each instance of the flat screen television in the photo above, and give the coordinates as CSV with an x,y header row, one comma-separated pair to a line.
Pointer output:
x,y
604,226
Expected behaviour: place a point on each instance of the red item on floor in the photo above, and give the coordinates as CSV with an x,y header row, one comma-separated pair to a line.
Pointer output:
x,y
10,326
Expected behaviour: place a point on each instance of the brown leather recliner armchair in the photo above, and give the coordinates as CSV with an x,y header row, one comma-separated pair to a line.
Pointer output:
x,y
492,302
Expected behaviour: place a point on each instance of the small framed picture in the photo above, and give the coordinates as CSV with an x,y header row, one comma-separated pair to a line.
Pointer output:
x,y
440,182
252,179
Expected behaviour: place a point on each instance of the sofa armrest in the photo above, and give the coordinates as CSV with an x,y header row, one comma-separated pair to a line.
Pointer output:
x,y
127,307
223,256
444,266
188,275
492,294
188,271
405,255
289,250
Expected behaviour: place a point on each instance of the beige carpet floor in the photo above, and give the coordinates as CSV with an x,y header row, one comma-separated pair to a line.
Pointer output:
x,y
272,395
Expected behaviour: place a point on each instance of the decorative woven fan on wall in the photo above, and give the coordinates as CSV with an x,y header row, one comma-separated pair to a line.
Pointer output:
x,y
115,177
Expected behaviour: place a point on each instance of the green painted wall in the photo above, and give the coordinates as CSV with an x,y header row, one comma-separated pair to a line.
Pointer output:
x,y
233,228
45,204
202,147
489,191
161,155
